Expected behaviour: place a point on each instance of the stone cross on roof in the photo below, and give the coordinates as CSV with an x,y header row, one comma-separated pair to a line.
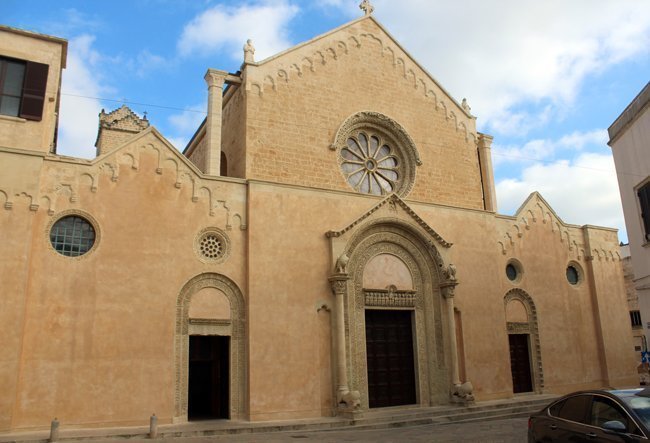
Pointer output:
x,y
367,7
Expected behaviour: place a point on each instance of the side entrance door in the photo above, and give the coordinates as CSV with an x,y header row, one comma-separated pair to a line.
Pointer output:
x,y
389,349
520,363
208,384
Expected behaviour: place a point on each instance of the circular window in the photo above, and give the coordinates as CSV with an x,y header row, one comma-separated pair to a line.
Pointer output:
x,y
511,272
376,155
572,275
212,245
514,271
370,165
72,236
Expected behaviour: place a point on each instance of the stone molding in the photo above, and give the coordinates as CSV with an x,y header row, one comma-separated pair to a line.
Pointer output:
x,y
238,363
530,328
67,179
536,211
406,243
335,47
393,200
392,133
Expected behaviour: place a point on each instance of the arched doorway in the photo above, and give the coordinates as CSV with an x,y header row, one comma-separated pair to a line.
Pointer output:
x,y
209,349
523,342
393,317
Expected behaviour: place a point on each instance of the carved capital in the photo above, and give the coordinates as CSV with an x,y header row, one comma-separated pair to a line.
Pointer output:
x,y
447,288
339,283
215,77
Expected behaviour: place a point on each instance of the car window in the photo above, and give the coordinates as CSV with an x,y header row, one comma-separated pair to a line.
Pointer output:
x,y
641,406
604,409
574,408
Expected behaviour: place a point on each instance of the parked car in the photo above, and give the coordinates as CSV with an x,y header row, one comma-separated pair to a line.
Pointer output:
x,y
594,416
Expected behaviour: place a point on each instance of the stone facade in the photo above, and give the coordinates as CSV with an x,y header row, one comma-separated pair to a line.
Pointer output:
x,y
358,200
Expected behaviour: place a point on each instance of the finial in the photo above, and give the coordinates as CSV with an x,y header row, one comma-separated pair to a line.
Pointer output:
x,y
249,52
145,115
367,7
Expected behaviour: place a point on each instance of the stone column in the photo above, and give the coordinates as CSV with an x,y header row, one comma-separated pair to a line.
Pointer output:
x,y
487,174
448,294
215,80
348,401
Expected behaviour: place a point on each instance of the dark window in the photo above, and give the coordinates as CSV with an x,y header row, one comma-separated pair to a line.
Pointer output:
x,y
572,275
635,319
72,236
573,408
22,88
511,272
644,201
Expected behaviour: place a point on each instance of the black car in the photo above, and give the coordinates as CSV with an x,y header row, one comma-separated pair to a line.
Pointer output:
x,y
594,416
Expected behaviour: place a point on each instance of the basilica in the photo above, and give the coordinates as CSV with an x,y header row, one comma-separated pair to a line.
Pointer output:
x,y
328,243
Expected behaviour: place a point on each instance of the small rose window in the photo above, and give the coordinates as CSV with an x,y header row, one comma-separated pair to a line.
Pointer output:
x,y
370,165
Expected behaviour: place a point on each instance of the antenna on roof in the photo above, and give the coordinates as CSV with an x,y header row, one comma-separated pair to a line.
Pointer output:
x,y
366,7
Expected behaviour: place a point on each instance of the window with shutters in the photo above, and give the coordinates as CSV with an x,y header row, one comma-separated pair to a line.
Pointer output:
x,y
644,203
22,88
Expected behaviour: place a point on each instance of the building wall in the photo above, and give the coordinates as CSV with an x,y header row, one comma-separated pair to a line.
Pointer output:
x,y
17,132
96,332
629,139
297,102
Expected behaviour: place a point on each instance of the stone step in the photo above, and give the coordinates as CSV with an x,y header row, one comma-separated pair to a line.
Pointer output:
x,y
375,419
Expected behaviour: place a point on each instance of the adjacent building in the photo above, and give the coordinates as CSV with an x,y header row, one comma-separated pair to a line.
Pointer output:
x,y
327,244
629,138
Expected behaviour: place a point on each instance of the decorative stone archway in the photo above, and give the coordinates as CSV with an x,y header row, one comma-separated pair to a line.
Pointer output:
x,y
529,326
431,350
235,328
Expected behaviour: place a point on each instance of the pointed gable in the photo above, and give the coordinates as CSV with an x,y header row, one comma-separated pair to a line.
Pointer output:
x,y
298,100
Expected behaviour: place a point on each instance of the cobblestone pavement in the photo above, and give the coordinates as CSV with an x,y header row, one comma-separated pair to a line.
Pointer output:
x,y
496,431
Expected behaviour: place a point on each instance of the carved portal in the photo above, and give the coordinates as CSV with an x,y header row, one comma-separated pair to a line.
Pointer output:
x,y
235,327
525,323
405,243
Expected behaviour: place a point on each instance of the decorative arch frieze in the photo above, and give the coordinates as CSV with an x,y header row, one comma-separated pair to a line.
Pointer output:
x,y
238,363
532,329
334,49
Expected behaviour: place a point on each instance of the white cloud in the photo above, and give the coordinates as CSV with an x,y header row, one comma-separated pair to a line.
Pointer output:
x,y
503,54
584,191
228,28
79,110
546,149
185,124
145,62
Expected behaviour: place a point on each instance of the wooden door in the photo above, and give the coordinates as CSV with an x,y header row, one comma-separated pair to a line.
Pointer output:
x,y
520,363
389,349
209,378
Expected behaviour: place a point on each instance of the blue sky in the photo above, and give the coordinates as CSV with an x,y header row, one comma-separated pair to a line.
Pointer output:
x,y
545,78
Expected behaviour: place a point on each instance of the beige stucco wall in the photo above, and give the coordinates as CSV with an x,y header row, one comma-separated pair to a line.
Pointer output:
x,y
96,332
296,102
17,132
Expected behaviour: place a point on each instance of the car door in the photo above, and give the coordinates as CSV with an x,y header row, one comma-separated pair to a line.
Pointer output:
x,y
604,409
571,419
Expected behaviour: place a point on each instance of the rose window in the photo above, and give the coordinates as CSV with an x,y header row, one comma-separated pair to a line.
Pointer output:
x,y
212,245
370,165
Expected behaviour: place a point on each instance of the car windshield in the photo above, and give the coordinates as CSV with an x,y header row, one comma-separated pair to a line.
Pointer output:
x,y
641,406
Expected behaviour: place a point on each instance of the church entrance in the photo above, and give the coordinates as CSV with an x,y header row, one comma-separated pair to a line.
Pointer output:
x,y
209,377
520,363
389,348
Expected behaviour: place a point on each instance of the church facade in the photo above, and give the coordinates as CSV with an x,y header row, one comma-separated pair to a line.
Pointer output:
x,y
327,244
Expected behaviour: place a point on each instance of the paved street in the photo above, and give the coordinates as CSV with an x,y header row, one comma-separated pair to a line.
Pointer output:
x,y
509,430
